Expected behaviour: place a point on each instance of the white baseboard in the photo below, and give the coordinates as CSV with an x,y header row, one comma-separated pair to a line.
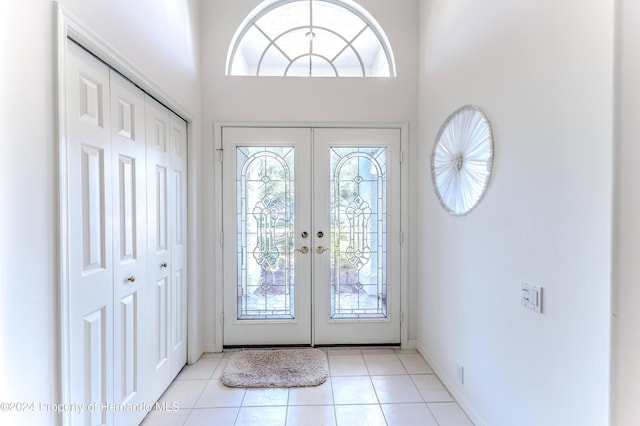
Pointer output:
x,y
211,347
449,382
194,356
411,344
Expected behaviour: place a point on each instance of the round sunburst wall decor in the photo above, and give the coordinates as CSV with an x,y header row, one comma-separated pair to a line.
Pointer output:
x,y
462,160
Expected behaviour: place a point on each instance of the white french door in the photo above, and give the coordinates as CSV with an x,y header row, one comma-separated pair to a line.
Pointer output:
x,y
311,222
357,208
267,259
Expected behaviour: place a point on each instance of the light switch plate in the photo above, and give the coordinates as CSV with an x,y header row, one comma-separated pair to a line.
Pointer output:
x,y
531,296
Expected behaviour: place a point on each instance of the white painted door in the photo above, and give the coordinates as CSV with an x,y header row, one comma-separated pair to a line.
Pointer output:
x,y
158,175
127,250
90,236
166,226
130,285
178,242
267,226
357,259
322,239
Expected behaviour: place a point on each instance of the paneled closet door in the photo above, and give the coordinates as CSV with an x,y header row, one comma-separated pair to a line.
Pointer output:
x,y
167,232
131,287
90,236
178,243
158,170
127,239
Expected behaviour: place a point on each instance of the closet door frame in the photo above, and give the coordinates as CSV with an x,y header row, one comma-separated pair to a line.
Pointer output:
x,y
69,27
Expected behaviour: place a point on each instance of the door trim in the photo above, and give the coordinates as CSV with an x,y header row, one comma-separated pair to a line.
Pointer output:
x,y
218,302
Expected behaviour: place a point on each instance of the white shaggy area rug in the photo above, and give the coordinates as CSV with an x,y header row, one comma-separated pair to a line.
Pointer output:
x,y
278,368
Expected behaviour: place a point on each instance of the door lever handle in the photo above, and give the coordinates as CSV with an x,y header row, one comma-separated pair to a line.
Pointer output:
x,y
321,249
303,249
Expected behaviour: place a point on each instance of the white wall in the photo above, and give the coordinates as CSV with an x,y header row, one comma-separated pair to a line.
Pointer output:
x,y
28,165
279,99
626,345
542,71
28,263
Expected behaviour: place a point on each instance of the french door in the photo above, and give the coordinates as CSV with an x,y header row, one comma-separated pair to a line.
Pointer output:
x,y
311,222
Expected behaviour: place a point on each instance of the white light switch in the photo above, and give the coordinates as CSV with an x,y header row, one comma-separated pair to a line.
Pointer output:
x,y
531,296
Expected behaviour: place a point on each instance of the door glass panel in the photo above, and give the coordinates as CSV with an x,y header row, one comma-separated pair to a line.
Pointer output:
x,y
265,232
358,218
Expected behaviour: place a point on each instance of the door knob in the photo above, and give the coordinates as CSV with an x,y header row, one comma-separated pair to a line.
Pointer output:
x,y
321,249
131,279
163,265
303,249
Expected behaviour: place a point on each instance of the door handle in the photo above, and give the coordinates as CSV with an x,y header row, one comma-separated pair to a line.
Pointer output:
x,y
131,279
303,249
321,249
163,265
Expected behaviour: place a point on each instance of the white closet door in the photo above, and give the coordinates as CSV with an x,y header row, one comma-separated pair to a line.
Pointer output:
x,y
90,236
158,181
131,286
127,198
178,242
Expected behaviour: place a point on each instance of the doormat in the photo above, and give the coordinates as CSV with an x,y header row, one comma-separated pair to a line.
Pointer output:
x,y
279,368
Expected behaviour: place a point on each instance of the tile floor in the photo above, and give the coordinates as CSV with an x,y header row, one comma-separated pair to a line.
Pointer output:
x,y
366,387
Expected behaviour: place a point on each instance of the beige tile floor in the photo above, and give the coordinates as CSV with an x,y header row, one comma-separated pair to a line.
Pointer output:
x,y
366,387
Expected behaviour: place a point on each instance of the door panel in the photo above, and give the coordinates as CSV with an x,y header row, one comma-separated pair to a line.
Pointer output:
x,y
96,380
93,216
178,246
90,237
130,284
159,255
356,206
267,205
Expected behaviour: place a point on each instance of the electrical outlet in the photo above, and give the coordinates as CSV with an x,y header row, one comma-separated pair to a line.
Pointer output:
x,y
460,373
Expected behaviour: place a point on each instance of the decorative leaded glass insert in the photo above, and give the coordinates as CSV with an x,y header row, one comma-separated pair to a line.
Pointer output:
x,y
265,229
358,216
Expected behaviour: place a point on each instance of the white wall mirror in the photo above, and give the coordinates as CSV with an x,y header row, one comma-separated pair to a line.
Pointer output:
x,y
462,159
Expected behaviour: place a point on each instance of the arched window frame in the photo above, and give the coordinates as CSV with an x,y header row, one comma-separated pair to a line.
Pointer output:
x,y
269,5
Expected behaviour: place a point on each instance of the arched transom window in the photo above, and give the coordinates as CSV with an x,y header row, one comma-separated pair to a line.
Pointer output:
x,y
326,38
